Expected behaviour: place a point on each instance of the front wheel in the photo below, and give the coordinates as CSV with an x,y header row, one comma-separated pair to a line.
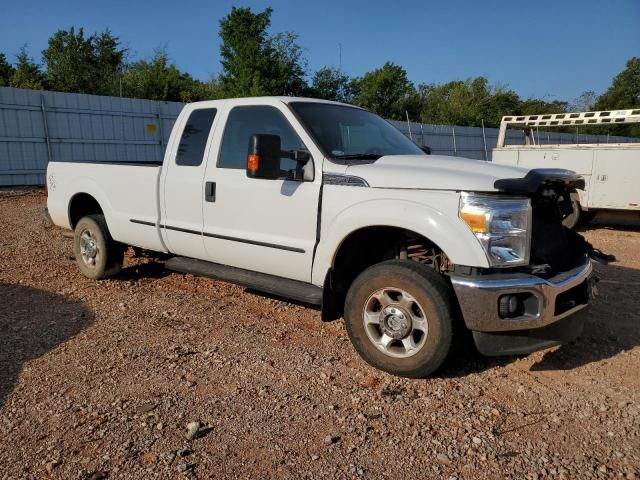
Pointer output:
x,y
97,254
399,317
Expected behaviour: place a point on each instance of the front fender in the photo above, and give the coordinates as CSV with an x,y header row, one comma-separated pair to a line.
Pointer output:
x,y
442,227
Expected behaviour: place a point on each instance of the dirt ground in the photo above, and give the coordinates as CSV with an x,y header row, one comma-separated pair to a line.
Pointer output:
x,y
104,379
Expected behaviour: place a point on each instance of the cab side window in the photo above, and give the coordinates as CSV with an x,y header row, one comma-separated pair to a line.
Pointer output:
x,y
243,122
194,137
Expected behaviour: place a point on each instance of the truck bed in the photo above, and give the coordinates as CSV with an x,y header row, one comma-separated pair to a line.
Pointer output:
x,y
124,190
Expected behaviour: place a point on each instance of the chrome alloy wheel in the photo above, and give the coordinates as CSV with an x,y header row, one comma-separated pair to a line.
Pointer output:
x,y
395,322
89,248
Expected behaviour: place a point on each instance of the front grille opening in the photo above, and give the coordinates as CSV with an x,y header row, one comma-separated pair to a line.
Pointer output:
x,y
578,295
551,242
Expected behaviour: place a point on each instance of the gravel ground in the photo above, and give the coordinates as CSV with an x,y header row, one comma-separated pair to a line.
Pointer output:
x,y
160,375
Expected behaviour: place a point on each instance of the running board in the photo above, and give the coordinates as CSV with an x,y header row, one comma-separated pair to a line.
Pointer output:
x,y
281,287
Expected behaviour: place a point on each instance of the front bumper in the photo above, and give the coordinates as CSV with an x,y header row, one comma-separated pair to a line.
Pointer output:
x,y
545,302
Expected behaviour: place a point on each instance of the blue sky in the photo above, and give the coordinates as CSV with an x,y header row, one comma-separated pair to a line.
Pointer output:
x,y
545,48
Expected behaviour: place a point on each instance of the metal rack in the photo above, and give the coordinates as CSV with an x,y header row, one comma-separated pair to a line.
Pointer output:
x,y
611,117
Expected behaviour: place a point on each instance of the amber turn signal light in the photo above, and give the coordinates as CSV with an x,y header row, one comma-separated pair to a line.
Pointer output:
x,y
477,220
253,162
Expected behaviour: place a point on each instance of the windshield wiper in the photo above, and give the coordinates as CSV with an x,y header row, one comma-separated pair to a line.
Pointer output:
x,y
359,156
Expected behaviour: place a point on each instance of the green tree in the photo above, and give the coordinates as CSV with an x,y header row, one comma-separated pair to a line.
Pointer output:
x,y
467,102
290,67
585,102
534,106
623,93
254,63
80,64
6,71
197,91
331,84
27,73
503,102
68,60
388,92
108,60
159,79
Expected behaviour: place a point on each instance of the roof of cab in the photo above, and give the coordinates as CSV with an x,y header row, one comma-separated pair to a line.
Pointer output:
x,y
283,99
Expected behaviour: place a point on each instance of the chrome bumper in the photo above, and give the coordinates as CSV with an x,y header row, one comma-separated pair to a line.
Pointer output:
x,y
548,300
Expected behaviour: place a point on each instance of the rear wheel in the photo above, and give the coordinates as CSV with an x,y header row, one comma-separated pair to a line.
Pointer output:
x,y
97,254
399,316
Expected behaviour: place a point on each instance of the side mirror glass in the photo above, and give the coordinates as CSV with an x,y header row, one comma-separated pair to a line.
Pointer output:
x,y
263,157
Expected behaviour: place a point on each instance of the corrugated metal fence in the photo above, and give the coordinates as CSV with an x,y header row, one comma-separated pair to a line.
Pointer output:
x,y
477,142
37,127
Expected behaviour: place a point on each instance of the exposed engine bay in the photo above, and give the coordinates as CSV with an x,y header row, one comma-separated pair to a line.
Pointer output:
x,y
554,247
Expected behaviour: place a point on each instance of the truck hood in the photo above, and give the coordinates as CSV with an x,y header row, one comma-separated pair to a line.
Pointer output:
x,y
434,172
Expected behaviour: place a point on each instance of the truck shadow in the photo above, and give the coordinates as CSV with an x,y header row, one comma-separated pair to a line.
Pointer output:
x,y
32,323
612,326
628,221
152,270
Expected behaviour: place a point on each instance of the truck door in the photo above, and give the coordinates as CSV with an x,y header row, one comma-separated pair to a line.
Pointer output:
x,y
262,225
182,181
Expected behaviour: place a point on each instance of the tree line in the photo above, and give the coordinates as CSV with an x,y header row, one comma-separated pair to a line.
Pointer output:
x,y
255,62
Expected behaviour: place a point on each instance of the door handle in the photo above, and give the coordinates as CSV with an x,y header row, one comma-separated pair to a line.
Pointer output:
x,y
210,191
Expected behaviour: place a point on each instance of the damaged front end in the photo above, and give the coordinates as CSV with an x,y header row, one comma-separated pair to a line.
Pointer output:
x,y
554,247
520,310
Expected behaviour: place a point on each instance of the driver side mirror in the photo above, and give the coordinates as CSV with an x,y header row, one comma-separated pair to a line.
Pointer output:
x,y
426,149
263,157
264,160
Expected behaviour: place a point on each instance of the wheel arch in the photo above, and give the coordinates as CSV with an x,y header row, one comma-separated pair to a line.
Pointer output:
x,y
82,204
370,220
361,249
449,233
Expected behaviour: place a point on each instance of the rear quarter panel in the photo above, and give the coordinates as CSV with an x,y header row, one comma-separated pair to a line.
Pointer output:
x,y
124,192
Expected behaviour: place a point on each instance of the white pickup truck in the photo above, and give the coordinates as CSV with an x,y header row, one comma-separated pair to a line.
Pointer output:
x,y
328,204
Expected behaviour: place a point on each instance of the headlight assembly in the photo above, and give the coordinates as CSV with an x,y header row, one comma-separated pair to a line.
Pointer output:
x,y
501,224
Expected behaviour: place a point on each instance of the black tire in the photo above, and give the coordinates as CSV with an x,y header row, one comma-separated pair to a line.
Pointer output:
x,y
432,294
108,258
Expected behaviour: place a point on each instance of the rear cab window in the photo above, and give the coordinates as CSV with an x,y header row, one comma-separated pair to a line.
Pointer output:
x,y
194,137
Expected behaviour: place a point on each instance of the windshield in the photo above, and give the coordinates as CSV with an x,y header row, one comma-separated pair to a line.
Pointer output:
x,y
348,133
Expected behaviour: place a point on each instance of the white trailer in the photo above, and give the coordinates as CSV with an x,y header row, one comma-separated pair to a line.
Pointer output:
x,y
611,170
